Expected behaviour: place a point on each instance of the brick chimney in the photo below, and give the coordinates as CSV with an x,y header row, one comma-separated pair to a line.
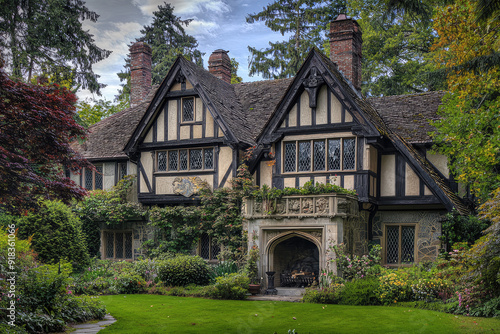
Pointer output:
x,y
140,72
345,48
219,65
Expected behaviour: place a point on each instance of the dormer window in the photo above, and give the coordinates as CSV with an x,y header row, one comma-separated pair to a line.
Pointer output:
x,y
188,109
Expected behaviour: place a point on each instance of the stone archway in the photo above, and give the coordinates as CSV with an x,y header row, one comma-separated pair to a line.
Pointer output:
x,y
296,258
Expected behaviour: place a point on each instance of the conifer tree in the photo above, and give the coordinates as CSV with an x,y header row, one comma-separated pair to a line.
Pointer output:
x,y
168,39
40,36
305,21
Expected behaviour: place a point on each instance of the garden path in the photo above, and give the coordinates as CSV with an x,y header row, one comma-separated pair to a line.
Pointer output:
x,y
92,328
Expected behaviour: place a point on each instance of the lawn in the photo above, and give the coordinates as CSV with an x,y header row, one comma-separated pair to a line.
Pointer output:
x,y
162,314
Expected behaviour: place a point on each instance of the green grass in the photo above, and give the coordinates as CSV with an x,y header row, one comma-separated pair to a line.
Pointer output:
x,y
163,314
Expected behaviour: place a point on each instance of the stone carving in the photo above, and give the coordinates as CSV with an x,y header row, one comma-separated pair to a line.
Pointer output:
x,y
294,205
280,208
257,207
322,205
271,234
307,205
316,234
311,85
187,186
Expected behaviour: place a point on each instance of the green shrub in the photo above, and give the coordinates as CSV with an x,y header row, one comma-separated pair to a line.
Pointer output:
x,y
127,282
39,323
147,269
326,295
233,286
223,268
4,328
56,232
394,286
360,292
457,228
184,270
81,309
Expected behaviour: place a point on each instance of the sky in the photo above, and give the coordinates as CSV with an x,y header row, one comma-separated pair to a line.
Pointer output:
x,y
216,24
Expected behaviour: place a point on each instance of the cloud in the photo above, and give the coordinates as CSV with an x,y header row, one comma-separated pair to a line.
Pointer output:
x,y
202,28
183,7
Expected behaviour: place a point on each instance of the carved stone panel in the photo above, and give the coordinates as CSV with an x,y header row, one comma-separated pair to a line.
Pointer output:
x,y
187,186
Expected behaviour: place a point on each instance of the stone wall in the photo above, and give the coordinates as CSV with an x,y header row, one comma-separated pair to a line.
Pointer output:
x,y
427,228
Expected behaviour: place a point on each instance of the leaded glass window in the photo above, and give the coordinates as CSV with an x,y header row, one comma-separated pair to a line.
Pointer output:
x,y
333,154
183,159
290,157
319,155
122,170
349,156
118,245
172,160
89,179
195,159
208,248
162,161
187,159
304,156
209,158
400,244
188,109
110,244
98,177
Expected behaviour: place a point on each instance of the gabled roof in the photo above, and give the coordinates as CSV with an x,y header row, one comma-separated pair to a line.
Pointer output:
x,y
107,138
410,115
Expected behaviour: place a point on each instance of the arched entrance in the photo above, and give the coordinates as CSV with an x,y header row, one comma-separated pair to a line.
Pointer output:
x,y
295,259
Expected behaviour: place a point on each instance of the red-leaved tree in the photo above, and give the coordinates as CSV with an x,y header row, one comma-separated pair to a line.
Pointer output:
x,y
36,128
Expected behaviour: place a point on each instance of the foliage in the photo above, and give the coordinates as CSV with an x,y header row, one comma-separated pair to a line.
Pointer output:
x,y
360,292
457,228
325,295
235,79
469,129
394,287
251,269
56,234
223,268
177,231
353,266
37,127
107,206
127,282
168,40
91,111
183,270
303,21
48,37
395,49
230,286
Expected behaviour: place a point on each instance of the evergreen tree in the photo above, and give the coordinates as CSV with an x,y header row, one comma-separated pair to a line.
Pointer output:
x,y
41,36
168,39
304,20
235,79
395,50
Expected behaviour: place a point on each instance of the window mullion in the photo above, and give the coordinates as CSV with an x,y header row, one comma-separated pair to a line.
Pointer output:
x,y
400,247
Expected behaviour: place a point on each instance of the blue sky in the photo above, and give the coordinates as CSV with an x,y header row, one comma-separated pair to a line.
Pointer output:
x,y
217,24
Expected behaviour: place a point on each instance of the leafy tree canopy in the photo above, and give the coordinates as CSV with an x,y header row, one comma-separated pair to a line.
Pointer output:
x,y
396,45
91,111
168,39
41,36
304,21
36,126
469,132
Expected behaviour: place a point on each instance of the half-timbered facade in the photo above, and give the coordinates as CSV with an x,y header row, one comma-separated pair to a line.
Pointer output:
x,y
193,128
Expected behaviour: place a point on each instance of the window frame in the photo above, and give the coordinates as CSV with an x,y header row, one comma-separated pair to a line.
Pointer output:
x,y
183,121
84,175
384,244
105,245
311,153
188,169
119,170
211,257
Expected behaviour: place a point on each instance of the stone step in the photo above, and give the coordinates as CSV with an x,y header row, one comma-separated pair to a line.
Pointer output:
x,y
290,291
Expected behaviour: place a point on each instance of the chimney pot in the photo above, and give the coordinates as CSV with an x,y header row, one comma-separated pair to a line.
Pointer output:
x,y
345,48
219,65
140,72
